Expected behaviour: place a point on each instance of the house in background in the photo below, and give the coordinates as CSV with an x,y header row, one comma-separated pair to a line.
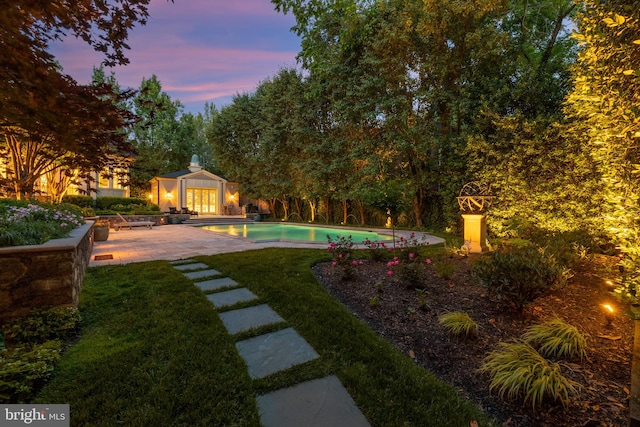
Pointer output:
x,y
57,182
196,189
113,181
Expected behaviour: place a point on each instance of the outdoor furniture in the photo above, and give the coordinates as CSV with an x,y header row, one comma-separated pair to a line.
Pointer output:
x,y
130,224
186,211
173,210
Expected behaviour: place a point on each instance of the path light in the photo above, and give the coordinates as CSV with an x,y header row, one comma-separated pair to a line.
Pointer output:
x,y
608,313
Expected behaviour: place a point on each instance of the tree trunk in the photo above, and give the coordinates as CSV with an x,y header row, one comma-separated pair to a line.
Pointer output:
x,y
312,208
285,206
345,211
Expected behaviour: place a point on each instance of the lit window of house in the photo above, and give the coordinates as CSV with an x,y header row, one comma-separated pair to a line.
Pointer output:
x,y
103,181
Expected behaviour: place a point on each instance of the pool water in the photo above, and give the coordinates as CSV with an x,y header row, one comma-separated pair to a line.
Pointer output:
x,y
303,233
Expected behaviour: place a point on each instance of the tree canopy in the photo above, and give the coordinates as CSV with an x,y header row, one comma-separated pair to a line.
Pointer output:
x,y
38,102
392,94
605,115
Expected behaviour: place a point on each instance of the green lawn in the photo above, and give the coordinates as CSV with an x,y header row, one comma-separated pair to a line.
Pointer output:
x,y
153,350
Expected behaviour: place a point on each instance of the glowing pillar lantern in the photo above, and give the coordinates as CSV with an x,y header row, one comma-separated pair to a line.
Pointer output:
x,y
475,232
475,198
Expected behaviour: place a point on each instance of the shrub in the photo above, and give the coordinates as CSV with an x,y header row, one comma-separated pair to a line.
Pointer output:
x,y
556,338
24,370
458,324
341,250
33,347
33,223
444,268
519,275
42,325
88,212
108,202
377,251
422,299
79,200
410,270
409,245
517,370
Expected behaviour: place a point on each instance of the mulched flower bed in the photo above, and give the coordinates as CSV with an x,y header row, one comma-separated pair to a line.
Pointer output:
x,y
410,322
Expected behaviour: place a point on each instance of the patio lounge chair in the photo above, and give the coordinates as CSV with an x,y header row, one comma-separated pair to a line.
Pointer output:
x,y
173,210
188,212
130,224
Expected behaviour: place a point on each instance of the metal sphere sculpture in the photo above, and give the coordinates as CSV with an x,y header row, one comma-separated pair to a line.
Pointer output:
x,y
475,197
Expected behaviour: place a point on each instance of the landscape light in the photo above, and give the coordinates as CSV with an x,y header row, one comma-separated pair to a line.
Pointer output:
x,y
608,313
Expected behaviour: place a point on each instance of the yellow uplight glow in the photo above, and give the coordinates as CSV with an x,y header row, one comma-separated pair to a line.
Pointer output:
x,y
169,195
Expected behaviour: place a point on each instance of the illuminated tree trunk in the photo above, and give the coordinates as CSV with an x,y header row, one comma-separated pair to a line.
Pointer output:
x,y
312,208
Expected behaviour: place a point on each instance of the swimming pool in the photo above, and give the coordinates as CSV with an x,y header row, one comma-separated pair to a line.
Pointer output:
x,y
302,233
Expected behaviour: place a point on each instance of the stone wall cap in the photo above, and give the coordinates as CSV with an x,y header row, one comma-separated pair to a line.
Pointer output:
x,y
71,242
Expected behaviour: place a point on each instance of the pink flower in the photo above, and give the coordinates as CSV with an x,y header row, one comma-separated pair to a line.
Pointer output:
x,y
390,273
395,258
339,255
428,260
354,262
334,263
390,263
411,255
361,262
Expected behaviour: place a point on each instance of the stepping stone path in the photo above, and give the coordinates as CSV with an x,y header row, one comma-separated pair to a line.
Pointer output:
x,y
216,284
317,403
270,353
234,296
248,318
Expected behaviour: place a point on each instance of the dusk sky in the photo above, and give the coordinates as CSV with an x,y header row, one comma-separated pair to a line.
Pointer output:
x,y
200,50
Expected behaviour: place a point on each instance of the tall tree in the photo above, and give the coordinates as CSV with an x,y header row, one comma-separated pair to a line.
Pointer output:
x,y
605,115
39,104
156,135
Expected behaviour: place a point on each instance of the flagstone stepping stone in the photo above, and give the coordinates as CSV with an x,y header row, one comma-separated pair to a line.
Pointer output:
x,y
214,284
316,403
181,261
273,352
187,267
202,273
248,318
222,299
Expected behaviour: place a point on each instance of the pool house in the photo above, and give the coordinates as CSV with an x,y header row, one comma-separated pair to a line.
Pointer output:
x,y
196,189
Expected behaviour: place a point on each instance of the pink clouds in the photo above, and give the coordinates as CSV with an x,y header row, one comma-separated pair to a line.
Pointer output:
x,y
200,50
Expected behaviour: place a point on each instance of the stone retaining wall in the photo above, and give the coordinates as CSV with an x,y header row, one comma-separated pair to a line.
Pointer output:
x,y
44,276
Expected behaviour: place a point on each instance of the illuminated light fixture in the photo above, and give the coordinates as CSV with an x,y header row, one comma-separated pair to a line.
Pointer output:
x,y
608,313
150,196
232,197
169,195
